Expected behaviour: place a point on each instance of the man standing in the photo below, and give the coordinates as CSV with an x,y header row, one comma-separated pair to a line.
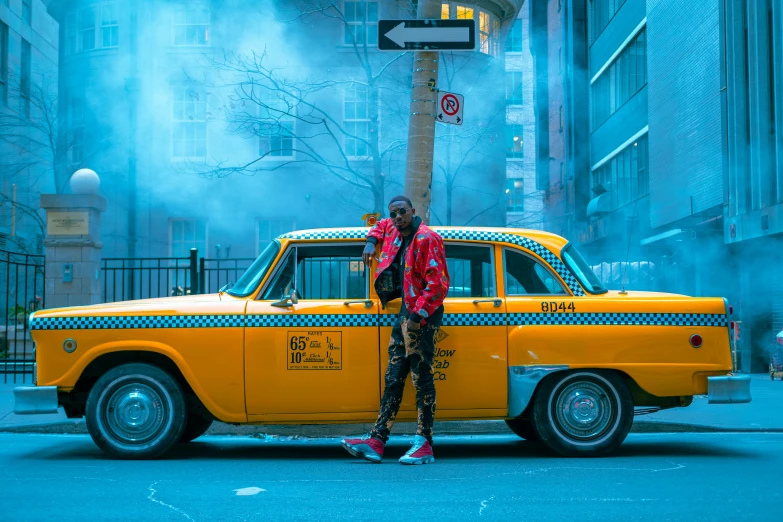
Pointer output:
x,y
412,266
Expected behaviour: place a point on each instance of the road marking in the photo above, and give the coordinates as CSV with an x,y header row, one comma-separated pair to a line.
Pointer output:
x,y
244,492
484,504
152,494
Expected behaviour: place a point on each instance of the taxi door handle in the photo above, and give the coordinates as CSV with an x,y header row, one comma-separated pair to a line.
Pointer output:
x,y
367,303
496,302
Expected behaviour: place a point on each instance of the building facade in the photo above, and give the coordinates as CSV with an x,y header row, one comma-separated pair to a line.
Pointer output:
x,y
524,199
28,101
683,178
154,102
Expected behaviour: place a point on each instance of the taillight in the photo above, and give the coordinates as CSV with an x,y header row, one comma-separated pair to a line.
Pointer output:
x,y
696,341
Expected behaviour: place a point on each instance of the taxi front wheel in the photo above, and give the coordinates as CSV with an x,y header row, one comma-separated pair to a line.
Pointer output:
x,y
136,411
583,413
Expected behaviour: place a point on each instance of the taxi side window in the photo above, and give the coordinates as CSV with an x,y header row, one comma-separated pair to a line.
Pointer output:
x,y
322,272
470,270
526,276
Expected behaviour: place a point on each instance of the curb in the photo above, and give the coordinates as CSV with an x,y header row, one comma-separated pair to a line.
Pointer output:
x,y
307,431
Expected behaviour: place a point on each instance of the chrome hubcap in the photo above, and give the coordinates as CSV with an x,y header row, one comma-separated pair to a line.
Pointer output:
x,y
583,410
135,413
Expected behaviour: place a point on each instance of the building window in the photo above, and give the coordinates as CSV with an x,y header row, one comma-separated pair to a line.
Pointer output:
x,y
276,127
626,175
485,29
110,26
76,128
515,195
86,28
514,88
191,24
186,234
268,229
25,78
487,24
514,40
619,82
3,63
601,12
361,20
189,119
357,121
514,141
27,11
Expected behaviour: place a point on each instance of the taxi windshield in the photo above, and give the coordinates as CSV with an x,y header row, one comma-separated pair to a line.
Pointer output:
x,y
255,272
574,260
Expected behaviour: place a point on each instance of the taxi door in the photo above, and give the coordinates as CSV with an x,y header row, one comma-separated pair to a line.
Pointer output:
x,y
470,369
535,299
311,341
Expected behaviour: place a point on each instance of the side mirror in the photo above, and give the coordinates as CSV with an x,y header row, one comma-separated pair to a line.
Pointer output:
x,y
288,300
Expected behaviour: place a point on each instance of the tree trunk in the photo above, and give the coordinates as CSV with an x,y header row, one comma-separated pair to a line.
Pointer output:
x,y
421,127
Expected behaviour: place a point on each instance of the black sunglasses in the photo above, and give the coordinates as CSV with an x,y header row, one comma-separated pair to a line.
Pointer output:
x,y
402,212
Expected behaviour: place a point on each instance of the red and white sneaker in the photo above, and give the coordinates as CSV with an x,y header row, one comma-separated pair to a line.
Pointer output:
x,y
368,448
420,452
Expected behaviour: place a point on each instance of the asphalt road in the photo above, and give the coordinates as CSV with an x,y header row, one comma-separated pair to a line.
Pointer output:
x,y
698,476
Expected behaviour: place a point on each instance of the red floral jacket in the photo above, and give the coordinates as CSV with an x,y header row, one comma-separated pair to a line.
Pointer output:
x,y
426,281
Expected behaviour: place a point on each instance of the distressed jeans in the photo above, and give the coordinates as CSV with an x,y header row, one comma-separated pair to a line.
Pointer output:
x,y
409,352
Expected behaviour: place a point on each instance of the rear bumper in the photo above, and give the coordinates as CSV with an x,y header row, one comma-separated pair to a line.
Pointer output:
x,y
35,400
728,389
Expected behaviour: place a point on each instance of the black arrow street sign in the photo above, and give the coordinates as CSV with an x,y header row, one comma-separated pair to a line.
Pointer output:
x,y
426,35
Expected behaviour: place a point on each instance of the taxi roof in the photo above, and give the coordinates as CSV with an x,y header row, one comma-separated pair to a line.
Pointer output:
x,y
553,242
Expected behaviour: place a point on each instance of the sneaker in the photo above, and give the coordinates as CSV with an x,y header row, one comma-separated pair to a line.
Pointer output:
x,y
368,448
420,453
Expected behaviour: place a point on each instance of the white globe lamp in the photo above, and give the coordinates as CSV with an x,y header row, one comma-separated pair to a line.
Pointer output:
x,y
85,181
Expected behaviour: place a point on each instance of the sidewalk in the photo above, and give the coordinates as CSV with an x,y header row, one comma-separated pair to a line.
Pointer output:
x,y
763,414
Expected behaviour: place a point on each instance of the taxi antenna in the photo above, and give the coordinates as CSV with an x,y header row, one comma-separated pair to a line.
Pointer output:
x,y
628,249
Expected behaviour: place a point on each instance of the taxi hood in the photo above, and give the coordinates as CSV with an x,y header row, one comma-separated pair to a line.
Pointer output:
x,y
157,306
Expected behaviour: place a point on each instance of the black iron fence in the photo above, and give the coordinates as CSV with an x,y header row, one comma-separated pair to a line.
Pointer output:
x,y
215,273
129,278
22,280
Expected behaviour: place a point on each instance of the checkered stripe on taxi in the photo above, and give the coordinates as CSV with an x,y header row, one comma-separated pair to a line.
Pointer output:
x,y
348,233
464,235
631,319
501,237
137,322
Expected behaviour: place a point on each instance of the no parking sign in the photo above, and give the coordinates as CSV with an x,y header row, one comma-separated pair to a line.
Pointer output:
x,y
450,108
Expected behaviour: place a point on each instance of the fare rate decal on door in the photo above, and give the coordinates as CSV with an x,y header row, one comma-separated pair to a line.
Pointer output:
x,y
314,350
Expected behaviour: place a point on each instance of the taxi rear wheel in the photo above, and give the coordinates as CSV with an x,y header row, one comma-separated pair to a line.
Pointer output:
x,y
523,428
583,413
136,411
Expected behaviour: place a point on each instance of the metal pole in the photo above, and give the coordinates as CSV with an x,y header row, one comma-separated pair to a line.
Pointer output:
x,y
421,126
194,271
13,212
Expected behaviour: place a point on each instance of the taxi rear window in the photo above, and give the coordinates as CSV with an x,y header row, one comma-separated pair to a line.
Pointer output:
x,y
576,263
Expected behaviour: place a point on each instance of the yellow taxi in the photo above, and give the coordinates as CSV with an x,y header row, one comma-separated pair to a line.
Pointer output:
x,y
529,336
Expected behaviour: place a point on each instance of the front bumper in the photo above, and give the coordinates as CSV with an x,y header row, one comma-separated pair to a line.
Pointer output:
x,y
34,400
728,389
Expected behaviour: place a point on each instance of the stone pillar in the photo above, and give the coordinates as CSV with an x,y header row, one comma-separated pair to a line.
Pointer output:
x,y
73,246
